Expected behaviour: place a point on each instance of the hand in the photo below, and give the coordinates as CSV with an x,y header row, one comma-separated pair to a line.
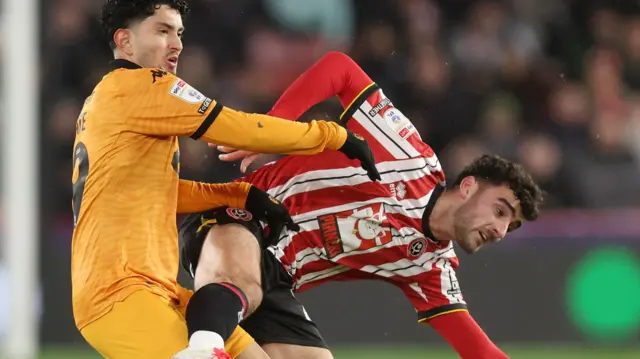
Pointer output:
x,y
231,154
266,208
356,147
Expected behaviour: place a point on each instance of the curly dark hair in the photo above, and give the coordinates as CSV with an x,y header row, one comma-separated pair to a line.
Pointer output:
x,y
120,14
498,171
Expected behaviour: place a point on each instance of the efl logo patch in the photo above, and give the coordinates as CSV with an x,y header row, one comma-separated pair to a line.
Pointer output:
x,y
417,247
406,131
185,92
399,123
239,214
178,87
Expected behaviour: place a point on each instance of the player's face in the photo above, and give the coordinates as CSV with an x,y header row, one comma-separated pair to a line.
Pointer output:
x,y
156,41
485,215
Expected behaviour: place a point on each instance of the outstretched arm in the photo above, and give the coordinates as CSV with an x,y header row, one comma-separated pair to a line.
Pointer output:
x,y
198,196
462,332
448,314
335,74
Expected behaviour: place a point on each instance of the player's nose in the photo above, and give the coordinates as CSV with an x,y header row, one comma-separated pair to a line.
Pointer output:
x,y
499,230
176,45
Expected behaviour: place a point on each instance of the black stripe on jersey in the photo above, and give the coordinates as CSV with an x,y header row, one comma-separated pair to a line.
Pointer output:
x,y
298,223
425,316
316,218
374,272
349,176
321,179
207,121
358,252
430,260
370,250
414,208
384,133
355,105
311,254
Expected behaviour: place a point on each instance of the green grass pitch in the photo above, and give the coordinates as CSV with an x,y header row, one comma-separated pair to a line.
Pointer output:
x,y
422,353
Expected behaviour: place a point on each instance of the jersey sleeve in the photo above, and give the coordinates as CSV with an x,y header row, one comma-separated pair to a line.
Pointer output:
x,y
198,196
335,74
162,104
165,105
367,111
439,293
390,133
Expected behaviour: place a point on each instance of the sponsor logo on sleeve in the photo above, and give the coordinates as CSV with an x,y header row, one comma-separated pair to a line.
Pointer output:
x,y
377,108
205,105
185,92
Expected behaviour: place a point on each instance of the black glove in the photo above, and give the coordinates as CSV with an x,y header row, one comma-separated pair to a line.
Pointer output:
x,y
268,209
356,147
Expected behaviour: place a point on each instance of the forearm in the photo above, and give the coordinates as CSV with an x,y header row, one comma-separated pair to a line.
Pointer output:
x,y
462,332
266,134
334,75
198,196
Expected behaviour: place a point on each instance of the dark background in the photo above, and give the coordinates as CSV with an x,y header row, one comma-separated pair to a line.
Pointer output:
x,y
551,83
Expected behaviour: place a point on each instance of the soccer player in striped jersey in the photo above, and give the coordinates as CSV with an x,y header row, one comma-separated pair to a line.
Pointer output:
x,y
400,229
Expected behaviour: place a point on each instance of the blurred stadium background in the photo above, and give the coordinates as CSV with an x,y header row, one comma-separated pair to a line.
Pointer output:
x,y
554,84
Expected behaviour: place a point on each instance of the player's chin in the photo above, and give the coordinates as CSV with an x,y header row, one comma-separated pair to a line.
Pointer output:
x,y
171,70
469,245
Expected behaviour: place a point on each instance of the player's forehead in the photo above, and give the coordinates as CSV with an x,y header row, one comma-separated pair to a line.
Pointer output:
x,y
166,16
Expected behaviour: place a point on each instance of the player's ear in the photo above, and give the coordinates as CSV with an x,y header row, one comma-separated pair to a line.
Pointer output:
x,y
468,186
122,39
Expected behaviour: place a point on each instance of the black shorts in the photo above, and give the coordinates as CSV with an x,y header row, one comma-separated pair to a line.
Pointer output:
x,y
280,318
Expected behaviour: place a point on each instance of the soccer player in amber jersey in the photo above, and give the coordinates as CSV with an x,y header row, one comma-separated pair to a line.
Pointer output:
x,y
400,230
127,191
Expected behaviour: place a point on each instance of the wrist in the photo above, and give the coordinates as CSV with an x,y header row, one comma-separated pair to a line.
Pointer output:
x,y
340,138
241,192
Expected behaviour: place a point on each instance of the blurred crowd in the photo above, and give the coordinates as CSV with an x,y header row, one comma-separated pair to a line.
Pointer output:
x,y
554,84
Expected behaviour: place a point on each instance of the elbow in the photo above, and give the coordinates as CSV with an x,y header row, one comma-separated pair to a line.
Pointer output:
x,y
347,70
336,56
339,59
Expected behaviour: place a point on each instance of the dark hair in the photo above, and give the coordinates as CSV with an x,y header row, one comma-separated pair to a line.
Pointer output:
x,y
498,171
120,14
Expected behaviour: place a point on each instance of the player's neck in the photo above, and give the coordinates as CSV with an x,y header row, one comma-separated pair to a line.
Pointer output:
x,y
120,55
441,219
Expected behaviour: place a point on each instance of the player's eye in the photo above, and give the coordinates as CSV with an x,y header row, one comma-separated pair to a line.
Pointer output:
x,y
513,226
164,31
499,212
180,35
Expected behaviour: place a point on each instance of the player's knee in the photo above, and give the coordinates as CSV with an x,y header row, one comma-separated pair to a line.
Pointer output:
x,y
253,291
231,254
251,288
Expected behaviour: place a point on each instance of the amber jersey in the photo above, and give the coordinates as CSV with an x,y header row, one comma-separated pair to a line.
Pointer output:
x,y
126,186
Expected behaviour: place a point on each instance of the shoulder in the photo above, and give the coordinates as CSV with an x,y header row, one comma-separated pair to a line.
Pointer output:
x,y
128,80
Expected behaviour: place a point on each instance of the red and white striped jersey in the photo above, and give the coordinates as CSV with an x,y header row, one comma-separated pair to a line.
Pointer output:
x,y
352,228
